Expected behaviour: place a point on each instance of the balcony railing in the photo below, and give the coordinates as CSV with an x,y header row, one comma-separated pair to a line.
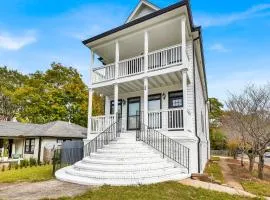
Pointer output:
x,y
170,119
131,66
156,60
164,57
104,73
100,123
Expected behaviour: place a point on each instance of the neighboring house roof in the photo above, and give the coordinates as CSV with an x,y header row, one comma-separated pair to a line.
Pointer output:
x,y
143,8
52,129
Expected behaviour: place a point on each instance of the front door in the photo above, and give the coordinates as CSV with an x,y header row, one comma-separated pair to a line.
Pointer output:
x,y
133,113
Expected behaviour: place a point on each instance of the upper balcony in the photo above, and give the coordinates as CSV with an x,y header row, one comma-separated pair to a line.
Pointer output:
x,y
157,60
156,49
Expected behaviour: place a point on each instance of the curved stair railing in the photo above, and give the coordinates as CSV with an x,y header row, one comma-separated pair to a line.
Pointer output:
x,y
110,134
167,146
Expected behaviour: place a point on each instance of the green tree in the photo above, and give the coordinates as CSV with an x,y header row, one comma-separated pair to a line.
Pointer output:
x,y
10,80
216,112
218,139
57,94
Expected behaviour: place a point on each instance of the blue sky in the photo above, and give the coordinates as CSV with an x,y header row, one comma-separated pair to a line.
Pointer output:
x,y
236,36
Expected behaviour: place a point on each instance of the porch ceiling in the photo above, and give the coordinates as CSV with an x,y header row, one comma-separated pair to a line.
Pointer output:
x,y
137,85
160,36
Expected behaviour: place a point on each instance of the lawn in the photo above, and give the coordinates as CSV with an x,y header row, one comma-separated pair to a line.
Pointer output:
x,y
29,174
213,169
164,191
261,188
249,181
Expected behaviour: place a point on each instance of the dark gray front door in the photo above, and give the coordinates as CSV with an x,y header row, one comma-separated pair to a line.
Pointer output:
x,y
133,112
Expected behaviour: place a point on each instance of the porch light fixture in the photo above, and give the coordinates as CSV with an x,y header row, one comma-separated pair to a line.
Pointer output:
x,y
123,102
163,95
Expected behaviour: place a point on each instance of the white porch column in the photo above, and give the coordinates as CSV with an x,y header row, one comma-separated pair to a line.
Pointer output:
x,y
145,51
115,101
90,95
145,102
184,46
184,84
116,59
89,126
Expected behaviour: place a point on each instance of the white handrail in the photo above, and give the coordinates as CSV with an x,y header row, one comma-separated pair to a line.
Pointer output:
x,y
131,66
166,48
103,73
170,119
100,123
165,57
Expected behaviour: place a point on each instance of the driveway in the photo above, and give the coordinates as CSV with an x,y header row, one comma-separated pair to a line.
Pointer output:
x,y
40,190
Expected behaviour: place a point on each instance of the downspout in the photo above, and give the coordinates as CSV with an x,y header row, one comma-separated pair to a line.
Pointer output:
x,y
39,149
195,109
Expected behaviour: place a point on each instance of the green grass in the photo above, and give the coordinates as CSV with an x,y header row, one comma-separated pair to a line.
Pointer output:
x,y
29,174
213,169
215,158
164,191
261,188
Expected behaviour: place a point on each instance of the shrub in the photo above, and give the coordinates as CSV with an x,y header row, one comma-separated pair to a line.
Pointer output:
x,y
9,166
32,162
16,166
24,163
3,168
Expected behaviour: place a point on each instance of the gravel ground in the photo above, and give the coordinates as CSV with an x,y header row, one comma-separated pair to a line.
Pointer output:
x,y
40,190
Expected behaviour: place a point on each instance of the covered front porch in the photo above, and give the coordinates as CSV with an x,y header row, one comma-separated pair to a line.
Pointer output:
x,y
160,102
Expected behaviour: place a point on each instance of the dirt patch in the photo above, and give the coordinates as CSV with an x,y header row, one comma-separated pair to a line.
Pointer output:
x,y
40,190
229,177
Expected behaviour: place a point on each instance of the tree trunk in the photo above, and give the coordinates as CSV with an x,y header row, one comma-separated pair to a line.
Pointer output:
x,y
235,155
251,163
242,159
261,166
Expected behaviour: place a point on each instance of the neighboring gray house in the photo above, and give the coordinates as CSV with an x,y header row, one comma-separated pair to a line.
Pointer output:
x,y
28,140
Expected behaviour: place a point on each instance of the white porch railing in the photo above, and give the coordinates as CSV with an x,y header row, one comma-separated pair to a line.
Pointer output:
x,y
165,57
131,66
100,123
170,119
104,73
156,60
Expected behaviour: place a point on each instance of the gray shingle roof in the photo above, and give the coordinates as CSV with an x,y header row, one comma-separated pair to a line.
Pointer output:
x,y
52,129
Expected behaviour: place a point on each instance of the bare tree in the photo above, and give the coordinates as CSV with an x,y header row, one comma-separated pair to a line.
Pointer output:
x,y
250,114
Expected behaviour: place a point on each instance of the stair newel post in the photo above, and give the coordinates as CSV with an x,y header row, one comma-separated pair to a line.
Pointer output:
x,y
163,146
96,144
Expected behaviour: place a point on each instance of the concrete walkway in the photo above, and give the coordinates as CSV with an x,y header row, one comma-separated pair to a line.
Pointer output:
x,y
216,187
40,190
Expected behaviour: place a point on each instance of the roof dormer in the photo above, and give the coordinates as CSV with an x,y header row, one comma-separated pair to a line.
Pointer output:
x,y
143,8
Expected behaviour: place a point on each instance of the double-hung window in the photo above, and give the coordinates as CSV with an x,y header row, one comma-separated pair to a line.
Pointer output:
x,y
29,146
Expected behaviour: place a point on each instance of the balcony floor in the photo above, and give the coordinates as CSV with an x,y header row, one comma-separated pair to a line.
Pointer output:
x,y
158,81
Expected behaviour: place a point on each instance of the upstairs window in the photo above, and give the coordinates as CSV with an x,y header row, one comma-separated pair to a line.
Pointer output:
x,y
176,99
29,146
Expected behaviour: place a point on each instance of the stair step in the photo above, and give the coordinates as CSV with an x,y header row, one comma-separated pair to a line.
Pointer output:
x,y
120,168
124,175
123,156
62,175
121,162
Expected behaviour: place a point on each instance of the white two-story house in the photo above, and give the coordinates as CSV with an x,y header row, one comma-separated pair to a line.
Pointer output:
x,y
153,79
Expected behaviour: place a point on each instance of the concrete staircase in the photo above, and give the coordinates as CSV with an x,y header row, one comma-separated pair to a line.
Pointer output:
x,y
123,162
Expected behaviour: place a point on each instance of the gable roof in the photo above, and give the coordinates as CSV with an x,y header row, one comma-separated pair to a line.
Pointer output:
x,y
52,129
143,8
144,18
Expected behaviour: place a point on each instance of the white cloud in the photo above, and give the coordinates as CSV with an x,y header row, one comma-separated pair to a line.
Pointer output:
x,y
219,48
12,42
207,20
